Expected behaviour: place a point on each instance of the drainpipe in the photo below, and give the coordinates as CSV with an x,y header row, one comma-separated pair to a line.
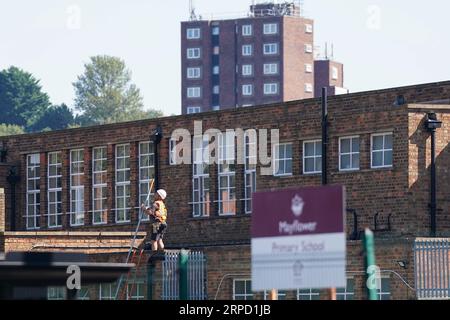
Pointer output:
x,y
156,137
324,135
431,124
13,178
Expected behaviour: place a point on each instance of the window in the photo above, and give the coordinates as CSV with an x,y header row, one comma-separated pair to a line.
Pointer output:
x,y
308,28
349,153
270,28
216,50
33,191
384,293
282,155
271,68
308,68
334,73
191,110
146,171
281,295
216,89
99,186
247,70
270,48
193,92
193,33
216,70
56,293
308,48
122,183
308,294
200,177
247,30
215,31
107,291
247,89
193,53
308,87
250,168
242,290
270,88
216,108
382,150
173,156
83,294
54,190
76,187
135,290
247,49
312,156
227,183
194,73
348,292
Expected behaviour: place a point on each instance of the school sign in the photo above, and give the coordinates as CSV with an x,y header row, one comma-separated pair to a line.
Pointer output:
x,y
298,239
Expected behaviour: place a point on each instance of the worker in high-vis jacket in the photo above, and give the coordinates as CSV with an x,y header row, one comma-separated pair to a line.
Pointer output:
x,y
158,219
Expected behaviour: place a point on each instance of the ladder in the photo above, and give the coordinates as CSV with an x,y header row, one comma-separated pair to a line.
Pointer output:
x,y
132,253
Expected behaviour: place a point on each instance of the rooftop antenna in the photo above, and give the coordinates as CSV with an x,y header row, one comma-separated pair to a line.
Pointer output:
x,y
332,51
192,14
326,50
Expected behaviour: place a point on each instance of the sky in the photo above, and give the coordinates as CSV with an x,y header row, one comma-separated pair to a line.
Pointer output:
x,y
382,43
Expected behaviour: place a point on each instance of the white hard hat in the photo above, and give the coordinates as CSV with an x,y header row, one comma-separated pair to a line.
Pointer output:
x,y
162,193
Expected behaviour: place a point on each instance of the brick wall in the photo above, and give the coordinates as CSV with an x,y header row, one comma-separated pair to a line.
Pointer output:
x,y
2,220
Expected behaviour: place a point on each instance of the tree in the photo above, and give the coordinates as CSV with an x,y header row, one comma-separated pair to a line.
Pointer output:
x,y
54,118
105,94
22,102
10,129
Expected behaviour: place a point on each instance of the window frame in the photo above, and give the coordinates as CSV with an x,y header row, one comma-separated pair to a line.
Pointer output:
x,y
245,295
311,157
142,181
191,53
102,186
194,73
56,191
126,184
309,28
309,68
247,27
312,293
271,85
191,90
247,67
309,48
79,190
346,293
309,88
351,153
269,30
193,110
224,146
250,47
269,66
203,178
383,134
249,170
275,156
248,93
273,45
35,193
193,33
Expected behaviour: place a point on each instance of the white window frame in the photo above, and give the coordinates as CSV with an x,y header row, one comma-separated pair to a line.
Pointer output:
x,y
56,293
315,156
310,294
384,134
172,152
334,73
110,288
143,180
227,171
35,193
250,154
308,88
247,50
351,153
194,92
345,294
281,294
194,73
215,30
277,159
216,70
270,49
271,68
55,190
247,30
103,211
270,28
77,203
193,53
193,33
200,177
125,184
309,48
309,28
139,286
247,70
193,110
308,68
246,295
268,89
380,292
247,90
216,89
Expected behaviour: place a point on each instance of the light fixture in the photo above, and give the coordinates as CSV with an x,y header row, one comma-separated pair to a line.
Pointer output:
x,y
403,264
432,123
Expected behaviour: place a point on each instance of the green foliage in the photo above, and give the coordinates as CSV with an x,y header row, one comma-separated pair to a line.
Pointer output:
x,y
54,118
22,102
10,129
105,94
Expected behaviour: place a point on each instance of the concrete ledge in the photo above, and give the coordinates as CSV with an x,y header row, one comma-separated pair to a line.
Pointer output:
x,y
72,234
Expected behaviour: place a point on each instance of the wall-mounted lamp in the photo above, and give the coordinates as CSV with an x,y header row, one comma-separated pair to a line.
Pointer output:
x,y
403,264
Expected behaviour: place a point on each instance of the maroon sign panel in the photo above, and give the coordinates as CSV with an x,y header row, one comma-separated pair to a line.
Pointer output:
x,y
305,211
